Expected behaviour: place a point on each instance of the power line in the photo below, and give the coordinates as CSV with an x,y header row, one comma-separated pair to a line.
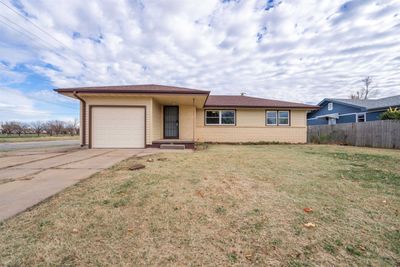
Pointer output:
x,y
41,29
51,103
33,34
24,33
48,45
15,29
34,24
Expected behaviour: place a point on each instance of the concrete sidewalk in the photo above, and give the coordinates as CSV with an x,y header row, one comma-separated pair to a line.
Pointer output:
x,y
29,177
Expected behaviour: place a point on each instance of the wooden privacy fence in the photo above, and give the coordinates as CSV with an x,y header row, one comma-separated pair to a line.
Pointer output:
x,y
385,134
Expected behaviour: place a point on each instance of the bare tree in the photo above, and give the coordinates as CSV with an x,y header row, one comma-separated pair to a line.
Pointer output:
x,y
55,127
48,128
38,127
72,127
18,128
7,127
26,128
368,89
58,127
76,126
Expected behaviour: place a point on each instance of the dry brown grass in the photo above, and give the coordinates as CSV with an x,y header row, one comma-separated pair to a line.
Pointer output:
x,y
226,205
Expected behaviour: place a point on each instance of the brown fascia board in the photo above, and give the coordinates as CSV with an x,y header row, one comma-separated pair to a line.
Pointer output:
x,y
265,107
99,91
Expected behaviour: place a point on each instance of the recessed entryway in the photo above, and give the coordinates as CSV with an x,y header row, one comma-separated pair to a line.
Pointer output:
x,y
171,122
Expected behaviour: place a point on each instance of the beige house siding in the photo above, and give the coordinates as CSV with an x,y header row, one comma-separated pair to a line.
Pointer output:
x,y
250,127
250,118
250,123
121,101
186,117
298,118
157,126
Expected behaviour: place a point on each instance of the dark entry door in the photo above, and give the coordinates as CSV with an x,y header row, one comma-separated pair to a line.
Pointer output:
x,y
171,122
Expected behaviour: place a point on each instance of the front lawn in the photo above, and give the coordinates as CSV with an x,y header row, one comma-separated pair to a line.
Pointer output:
x,y
33,137
225,205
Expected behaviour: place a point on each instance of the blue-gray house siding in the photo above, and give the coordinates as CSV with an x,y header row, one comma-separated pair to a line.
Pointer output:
x,y
374,115
347,118
346,114
337,108
351,110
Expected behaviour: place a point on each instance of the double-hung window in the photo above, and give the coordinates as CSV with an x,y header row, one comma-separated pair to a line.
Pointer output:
x,y
283,117
272,118
277,117
220,117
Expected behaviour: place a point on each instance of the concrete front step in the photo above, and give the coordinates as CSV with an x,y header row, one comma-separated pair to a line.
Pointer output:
x,y
172,146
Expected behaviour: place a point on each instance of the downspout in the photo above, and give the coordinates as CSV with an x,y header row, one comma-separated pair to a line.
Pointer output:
x,y
83,102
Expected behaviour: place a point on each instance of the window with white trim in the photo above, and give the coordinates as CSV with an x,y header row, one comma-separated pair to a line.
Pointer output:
x,y
220,117
330,106
361,117
272,118
283,117
275,117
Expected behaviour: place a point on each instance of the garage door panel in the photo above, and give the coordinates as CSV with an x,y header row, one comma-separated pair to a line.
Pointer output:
x,y
119,127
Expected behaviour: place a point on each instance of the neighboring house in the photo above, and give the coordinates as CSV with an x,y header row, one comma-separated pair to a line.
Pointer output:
x,y
138,116
334,110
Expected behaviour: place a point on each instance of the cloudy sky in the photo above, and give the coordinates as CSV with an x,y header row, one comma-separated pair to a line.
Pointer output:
x,y
295,50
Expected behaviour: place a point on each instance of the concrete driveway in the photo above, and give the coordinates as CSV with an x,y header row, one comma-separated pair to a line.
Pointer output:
x,y
31,176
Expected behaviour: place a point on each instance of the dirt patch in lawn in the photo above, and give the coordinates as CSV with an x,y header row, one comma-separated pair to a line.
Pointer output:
x,y
224,205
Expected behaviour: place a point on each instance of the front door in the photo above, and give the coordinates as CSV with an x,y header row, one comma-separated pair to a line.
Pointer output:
x,y
171,122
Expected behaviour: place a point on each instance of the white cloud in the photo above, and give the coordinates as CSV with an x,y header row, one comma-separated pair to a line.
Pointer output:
x,y
37,105
297,50
7,76
14,105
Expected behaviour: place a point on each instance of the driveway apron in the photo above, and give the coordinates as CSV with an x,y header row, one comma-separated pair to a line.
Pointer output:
x,y
28,178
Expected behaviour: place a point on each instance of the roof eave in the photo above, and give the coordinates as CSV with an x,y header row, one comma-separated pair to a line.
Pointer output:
x,y
341,102
265,107
382,108
94,91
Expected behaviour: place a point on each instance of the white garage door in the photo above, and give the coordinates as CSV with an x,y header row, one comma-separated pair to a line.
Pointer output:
x,y
118,127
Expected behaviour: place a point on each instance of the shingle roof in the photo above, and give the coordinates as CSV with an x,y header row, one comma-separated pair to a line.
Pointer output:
x,y
212,100
145,89
251,102
385,102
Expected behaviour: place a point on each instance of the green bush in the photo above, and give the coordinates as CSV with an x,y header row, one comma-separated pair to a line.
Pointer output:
x,y
391,114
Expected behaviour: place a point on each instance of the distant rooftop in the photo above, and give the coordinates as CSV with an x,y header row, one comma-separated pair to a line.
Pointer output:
x,y
391,101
